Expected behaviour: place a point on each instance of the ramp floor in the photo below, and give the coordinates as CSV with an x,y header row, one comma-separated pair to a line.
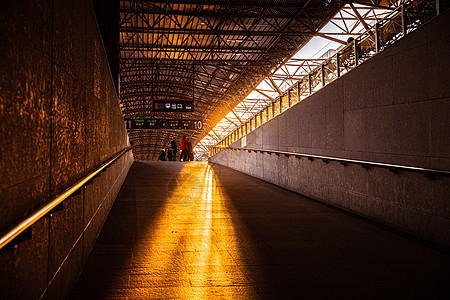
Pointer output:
x,y
199,231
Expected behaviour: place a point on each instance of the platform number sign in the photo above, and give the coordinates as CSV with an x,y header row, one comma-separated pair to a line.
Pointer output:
x,y
198,125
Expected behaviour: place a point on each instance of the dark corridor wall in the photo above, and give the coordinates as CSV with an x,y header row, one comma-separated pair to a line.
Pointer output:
x,y
60,119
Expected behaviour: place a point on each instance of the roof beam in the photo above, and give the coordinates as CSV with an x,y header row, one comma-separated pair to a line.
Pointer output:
x,y
369,3
256,3
275,86
328,37
235,114
264,94
215,136
359,17
231,121
220,32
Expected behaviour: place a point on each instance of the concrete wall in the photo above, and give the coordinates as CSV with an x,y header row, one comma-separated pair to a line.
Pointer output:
x,y
394,108
60,119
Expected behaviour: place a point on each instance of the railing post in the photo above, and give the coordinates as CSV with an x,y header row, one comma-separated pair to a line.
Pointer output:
x,y
437,7
309,84
355,49
289,98
337,65
323,75
377,37
403,19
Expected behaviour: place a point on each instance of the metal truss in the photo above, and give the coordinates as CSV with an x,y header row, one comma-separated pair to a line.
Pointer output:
x,y
215,52
348,22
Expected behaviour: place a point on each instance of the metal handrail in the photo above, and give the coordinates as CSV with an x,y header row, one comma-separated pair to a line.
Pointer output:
x,y
23,225
391,167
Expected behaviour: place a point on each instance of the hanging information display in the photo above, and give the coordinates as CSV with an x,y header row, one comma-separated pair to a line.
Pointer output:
x,y
173,105
163,124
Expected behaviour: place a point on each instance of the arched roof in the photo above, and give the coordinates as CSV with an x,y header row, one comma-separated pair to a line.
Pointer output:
x,y
214,52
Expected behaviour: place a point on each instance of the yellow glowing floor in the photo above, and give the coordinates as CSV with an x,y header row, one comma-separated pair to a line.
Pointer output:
x,y
193,231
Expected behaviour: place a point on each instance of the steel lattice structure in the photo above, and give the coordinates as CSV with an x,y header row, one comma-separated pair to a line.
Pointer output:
x,y
350,21
215,52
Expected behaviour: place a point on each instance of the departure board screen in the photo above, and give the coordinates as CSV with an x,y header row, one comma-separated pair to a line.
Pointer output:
x,y
173,105
163,124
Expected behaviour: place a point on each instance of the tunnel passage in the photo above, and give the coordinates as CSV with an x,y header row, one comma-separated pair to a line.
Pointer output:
x,y
61,119
203,231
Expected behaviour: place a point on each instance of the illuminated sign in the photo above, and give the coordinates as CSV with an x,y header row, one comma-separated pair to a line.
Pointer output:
x,y
163,124
173,105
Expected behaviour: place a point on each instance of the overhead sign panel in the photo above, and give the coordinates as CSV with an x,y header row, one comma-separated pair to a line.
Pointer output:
x,y
173,105
163,124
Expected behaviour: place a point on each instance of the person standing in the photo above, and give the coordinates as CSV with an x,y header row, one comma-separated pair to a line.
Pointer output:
x,y
173,145
183,147
170,153
162,155
189,151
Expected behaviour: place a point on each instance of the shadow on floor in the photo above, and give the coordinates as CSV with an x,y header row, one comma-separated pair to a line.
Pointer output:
x,y
199,231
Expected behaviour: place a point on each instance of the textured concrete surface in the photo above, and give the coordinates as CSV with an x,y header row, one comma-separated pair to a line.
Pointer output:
x,y
407,201
60,119
199,231
393,108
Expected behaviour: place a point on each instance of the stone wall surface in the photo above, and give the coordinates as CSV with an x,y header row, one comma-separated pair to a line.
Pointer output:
x,y
394,108
60,119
